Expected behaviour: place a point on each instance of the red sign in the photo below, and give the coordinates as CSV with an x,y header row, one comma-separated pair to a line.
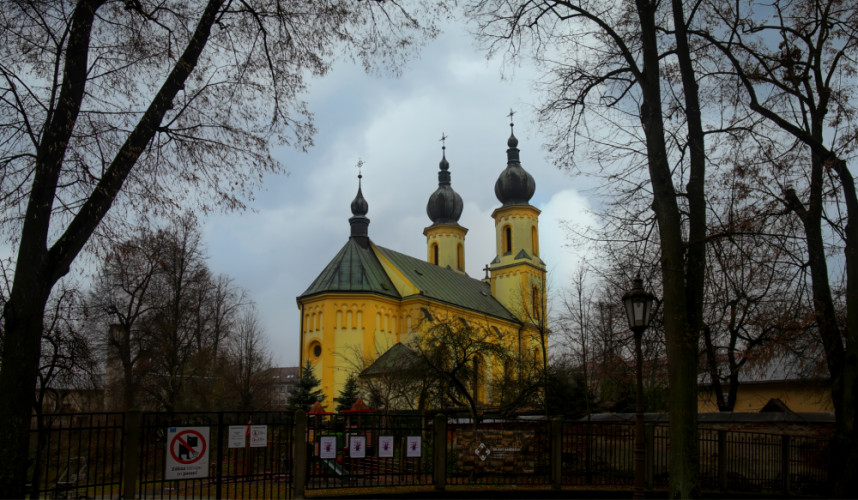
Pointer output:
x,y
188,447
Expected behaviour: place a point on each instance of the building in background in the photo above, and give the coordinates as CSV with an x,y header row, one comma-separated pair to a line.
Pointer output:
x,y
283,381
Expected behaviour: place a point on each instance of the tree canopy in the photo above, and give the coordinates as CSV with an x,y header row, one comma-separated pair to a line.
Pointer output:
x,y
146,106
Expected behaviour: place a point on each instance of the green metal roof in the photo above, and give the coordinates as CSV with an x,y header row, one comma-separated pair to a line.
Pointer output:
x,y
355,268
397,359
447,286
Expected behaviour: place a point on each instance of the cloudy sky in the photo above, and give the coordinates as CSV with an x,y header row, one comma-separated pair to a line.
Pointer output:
x,y
300,220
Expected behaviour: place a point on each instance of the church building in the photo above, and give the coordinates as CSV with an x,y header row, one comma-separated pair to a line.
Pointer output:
x,y
370,299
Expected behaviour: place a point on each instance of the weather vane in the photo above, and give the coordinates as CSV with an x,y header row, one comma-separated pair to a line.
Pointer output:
x,y
360,164
510,115
443,140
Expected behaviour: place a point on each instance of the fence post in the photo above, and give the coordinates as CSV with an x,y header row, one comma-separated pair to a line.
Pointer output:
x,y
722,460
588,453
556,453
131,453
439,452
299,459
219,466
649,464
785,445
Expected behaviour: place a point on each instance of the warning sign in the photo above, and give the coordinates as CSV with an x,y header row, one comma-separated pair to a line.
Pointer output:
x,y
187,453
258,436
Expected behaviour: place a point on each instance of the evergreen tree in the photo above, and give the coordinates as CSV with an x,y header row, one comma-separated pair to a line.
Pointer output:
x,y
307,392
349,394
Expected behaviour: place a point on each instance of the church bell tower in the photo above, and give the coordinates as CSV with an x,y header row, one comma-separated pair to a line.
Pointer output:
x,y
517,273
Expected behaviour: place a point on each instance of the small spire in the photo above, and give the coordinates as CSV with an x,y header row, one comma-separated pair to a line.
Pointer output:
x,y
512,142
359,205
444,165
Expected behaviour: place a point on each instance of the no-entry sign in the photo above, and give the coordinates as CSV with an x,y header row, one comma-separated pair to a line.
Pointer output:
x,y
187,453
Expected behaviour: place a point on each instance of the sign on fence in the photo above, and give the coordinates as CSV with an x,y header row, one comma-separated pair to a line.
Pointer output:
x,y
187,453
258,436
236,436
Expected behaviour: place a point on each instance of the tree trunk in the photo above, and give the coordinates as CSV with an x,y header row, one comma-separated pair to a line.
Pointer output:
x,y
23,317
845,382
682,295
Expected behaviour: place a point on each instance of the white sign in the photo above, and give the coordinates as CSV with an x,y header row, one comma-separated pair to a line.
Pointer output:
x,y
258,436
357,447
236,436
187,453
412,446
385,447
328,447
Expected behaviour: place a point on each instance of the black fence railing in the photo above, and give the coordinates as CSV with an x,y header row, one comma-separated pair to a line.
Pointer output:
x,y
76,455
364,449
251,455
597,454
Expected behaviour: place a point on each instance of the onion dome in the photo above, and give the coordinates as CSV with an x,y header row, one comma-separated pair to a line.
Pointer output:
x,y
514,185
445,205
359,205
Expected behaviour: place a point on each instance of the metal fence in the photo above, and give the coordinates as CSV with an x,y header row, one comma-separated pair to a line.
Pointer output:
x,y
91,455
76,455
365,449
238,469
108,455
597,454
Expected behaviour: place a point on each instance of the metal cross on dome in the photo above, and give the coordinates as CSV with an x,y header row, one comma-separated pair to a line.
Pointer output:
x,y
444,140
360,165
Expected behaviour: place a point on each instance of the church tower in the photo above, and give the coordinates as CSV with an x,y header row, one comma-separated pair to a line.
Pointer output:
x,y
517,273
445,238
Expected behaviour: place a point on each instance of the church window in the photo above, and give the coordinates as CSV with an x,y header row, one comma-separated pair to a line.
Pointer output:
x,y
507,240
460,257
435,253
534,240
535,303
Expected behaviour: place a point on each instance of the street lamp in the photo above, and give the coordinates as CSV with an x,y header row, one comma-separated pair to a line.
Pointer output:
x,y
638,304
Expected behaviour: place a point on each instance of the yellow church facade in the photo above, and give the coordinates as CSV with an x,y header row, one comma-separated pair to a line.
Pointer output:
x,y
369,298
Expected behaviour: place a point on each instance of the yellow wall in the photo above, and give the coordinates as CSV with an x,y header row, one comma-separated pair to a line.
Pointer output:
x,y
351,326
799,396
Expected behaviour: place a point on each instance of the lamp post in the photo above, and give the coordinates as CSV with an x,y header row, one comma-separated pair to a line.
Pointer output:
x,y
638,304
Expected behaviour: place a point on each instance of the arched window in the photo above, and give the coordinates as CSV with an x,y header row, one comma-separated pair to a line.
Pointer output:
x,y
507,239
535,303
435,253
460,257
534,240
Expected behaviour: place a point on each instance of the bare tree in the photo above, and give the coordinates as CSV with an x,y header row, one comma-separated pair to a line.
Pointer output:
x,y
119,303
145,104
794,64
457,356
247,359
